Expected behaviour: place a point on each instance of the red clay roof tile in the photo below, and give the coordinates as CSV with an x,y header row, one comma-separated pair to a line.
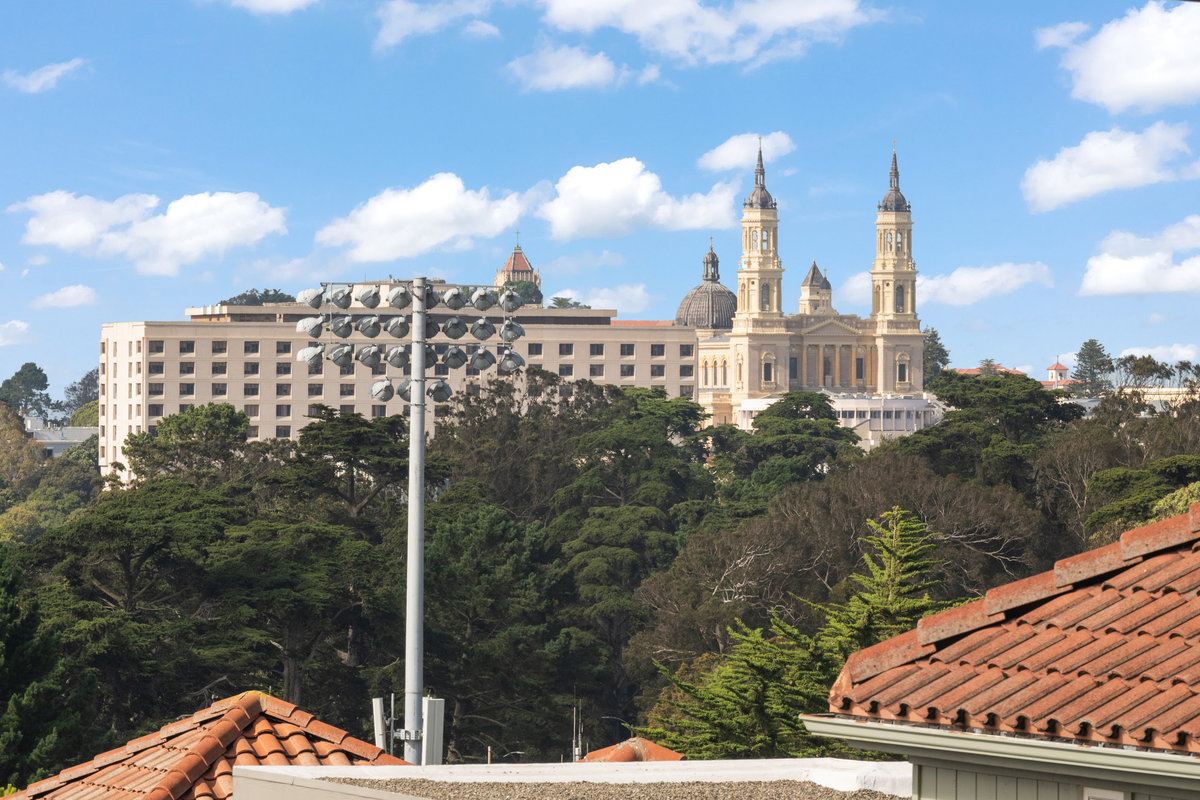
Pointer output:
x,y
1103,649
192,758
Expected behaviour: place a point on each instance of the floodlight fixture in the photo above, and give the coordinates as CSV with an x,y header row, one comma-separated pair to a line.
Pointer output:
x,y
483,299
404,390
311,297
397,356
481,359
455,358
439,391
369,355
399,297
454,299
311,355
432,329
509,362
510,331
369,326
311,326
483,329
398,326
369,296
454,328
510,301
382,390
431,355
340,297
342,355
342,326
432,298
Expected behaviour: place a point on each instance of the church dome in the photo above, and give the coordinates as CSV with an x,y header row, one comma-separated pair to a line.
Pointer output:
x,y
709,305
894,200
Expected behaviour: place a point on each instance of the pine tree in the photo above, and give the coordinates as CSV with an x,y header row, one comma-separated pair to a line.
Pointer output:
x,y
1093,365
936,357
892,593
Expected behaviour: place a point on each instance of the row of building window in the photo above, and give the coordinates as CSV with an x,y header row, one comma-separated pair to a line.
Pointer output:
x,y
597,350
221,347
597,370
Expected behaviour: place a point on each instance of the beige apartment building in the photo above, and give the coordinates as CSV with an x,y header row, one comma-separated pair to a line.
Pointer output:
x,y
733,352
246,356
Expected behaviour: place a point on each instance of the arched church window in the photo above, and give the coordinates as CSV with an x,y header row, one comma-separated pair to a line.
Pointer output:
x,y
902,368
768,374
899,299
766,240
753,240
766,297
900,242
889,241
704,369
724,372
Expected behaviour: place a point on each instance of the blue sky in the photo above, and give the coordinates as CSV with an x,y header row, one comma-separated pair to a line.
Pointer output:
x,y
156,156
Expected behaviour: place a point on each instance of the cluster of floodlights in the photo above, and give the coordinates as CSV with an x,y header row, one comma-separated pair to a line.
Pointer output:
x,y
400,326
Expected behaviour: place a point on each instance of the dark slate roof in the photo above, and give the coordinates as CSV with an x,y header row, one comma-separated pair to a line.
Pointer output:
x,y
894,200
708,305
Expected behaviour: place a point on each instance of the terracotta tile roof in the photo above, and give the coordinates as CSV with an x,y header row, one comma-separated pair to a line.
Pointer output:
x,y
979,370
1103,649
193,758
635,749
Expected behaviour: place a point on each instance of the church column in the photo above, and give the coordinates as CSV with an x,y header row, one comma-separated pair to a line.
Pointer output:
x,y
837,365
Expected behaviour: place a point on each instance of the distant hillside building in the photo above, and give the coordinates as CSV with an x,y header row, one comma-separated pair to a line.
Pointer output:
x,y
735,353
518,268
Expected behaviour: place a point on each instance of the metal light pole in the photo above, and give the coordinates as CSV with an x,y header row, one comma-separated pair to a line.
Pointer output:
x,y
507,362
414,625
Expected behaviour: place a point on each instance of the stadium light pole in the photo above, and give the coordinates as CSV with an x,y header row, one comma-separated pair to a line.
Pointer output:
x,y
414,390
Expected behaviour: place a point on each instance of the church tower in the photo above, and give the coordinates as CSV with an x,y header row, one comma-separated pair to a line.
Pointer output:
x,y
760,273
893,274
898,339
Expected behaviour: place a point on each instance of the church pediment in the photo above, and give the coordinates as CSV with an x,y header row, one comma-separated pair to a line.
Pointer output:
x,y
830,326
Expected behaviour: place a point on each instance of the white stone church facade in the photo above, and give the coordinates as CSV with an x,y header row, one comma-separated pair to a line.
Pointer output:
x,y
870,366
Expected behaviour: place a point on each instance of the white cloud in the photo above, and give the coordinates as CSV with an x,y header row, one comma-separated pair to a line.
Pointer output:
x,y
400,19
38,259
41,79
66,297
856,290
402,223
968,285
1131,264
626,298
1169,353
478,29
1106,160
14,332
745,31
1145,60
193,228
741,151
612,199
558,68
1155,318
271,6
1062,35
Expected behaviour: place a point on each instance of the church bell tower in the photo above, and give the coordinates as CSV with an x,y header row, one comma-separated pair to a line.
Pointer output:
x,y
893,273
760,273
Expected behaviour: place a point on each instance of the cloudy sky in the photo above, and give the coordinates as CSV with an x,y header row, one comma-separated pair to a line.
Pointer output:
x,y
156,156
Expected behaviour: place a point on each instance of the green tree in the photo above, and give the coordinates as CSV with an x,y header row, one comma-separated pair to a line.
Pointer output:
x,y
21,458
256,297
492,594
39,718
566,302
1093,366
204,445
1132,494
289,591
65,485
988,366
86,416
529,291
25,391
123,583
83,391
935,356
892,592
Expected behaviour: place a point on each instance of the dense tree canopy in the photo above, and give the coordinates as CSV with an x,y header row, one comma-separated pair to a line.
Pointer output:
x,y
257,297
25,391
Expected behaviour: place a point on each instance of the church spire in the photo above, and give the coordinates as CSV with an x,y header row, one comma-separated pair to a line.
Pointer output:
x,y
894,176
760,174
